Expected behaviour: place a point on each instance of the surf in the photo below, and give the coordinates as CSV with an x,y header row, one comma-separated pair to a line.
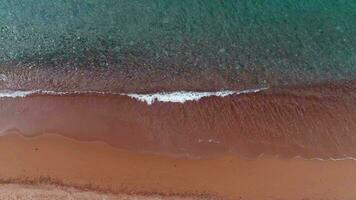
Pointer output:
x,y
149,99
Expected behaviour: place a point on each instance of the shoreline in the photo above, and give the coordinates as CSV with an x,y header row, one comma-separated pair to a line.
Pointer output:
x,y
213,148
146,80
82,164
248,124
149,98
43,191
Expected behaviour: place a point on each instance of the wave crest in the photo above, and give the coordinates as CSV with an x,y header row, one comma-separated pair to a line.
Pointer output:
x,y
168,97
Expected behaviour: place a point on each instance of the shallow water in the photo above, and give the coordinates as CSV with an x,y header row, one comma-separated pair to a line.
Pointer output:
x,y
311,122
155,46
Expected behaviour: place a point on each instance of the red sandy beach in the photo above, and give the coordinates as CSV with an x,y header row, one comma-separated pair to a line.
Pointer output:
x,y
249,146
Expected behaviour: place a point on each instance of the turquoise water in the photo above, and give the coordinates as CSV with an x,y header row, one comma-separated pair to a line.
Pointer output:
x,y
267,40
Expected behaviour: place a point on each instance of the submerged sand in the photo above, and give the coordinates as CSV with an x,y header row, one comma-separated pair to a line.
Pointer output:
x,y
313,122
95,166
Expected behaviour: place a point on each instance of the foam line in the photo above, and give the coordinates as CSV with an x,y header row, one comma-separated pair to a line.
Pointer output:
x,y
173,97
183,96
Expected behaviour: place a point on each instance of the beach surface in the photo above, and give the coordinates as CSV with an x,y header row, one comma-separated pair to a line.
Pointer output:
x,y
49,192
309,121
97,167
274,143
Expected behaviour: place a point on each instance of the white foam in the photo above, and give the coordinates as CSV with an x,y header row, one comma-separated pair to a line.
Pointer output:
x,y
3,77
341,158
208,141
173,97
17,94
183,96
177,97
14,94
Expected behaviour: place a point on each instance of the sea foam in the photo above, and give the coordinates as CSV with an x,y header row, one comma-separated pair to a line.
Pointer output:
x,y
183,96
14,94
168,97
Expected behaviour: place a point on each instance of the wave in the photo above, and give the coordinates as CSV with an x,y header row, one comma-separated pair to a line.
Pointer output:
x,y
168,97
183,96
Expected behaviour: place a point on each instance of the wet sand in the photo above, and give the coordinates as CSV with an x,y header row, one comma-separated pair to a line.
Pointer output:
x,y
312,121
248,146
54,192
150,78
53,159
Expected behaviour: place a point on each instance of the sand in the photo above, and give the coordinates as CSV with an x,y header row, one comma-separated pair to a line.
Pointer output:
x,y
312,122
49,192
250,146
95,166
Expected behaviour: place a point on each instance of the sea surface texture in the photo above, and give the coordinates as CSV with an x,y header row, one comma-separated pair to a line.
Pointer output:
x,y
189,78
159,45
178,99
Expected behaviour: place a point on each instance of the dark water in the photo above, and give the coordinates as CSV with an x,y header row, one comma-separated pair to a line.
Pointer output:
x,y
132,45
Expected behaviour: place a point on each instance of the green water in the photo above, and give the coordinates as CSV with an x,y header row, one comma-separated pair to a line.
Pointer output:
x,y
306,37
